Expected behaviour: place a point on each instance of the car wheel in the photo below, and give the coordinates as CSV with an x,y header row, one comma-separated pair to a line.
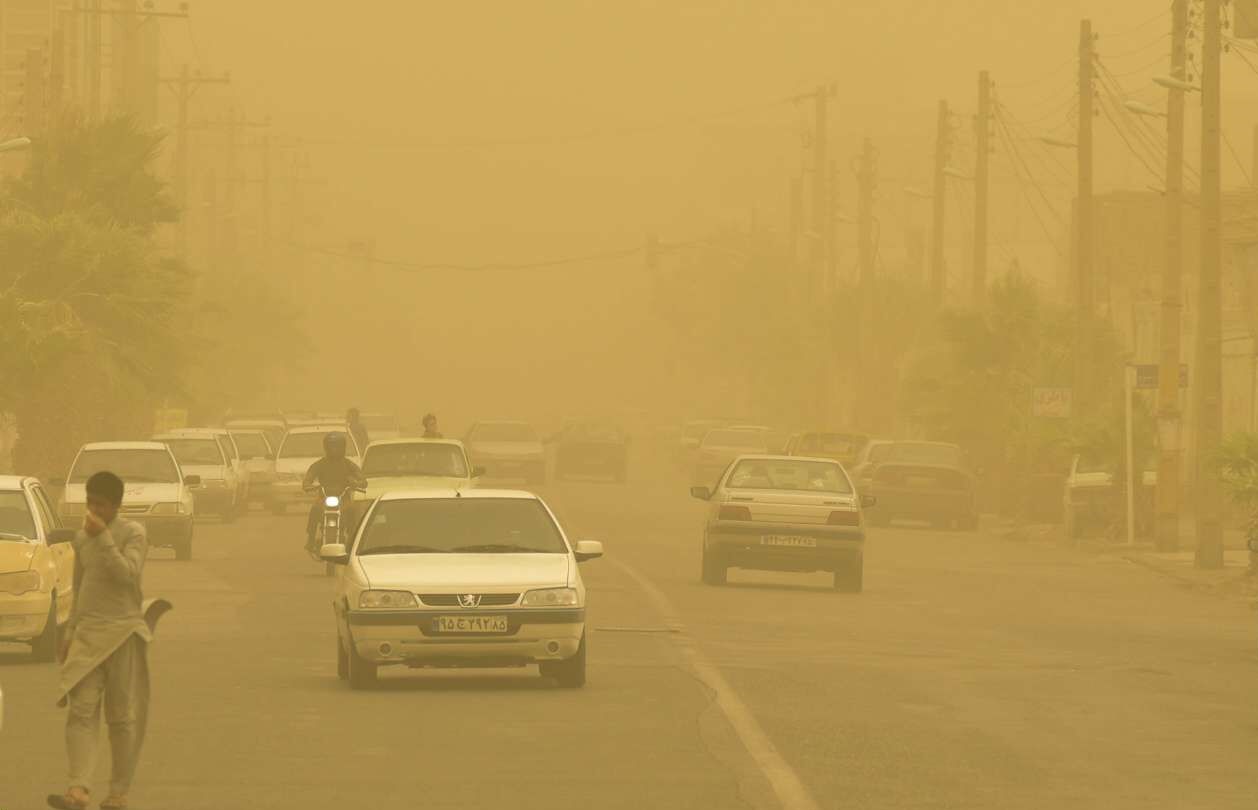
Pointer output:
x,y
44,647
568,673
361,673
851,578
715,572
342,660
183,548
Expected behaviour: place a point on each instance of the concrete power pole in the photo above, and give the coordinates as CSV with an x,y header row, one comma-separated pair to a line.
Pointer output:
x,y
982,162
866,395
1083,211
821,239
943,153
1209,400
185,87
1169,429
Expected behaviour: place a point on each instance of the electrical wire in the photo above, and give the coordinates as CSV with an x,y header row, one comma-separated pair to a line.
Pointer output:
x,y
1020,168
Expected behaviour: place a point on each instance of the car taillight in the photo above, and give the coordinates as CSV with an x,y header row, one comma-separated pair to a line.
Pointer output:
x,y
734,513
844,518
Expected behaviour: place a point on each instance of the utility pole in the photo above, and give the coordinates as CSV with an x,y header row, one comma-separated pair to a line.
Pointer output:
x,y
126,58
34,94
1209,400
92,62
821,242
185,87
982,162
1166,534
866,180
943,154
1083,213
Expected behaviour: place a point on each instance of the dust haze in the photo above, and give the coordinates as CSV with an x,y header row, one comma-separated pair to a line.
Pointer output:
x,y
732,404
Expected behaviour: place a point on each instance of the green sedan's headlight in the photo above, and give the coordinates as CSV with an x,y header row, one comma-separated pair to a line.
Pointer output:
x,y
386,600
551,597
167,509
20,582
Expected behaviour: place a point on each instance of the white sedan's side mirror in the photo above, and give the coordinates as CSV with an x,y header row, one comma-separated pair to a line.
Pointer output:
x,y
588,550
334,553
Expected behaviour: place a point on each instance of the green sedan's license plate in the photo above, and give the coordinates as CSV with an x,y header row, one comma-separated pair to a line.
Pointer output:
x,y
470,624
789,540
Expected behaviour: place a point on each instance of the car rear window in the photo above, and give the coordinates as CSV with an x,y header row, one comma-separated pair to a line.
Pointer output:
x,y
460,525
195,452
132,466
15,515
252,445
421,459
793,476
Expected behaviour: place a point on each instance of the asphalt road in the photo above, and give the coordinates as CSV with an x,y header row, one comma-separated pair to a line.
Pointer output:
x,y
972,673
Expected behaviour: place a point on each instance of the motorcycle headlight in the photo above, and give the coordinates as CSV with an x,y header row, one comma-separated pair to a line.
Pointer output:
x,y
551,597
167,509
386,600
332,502
20,582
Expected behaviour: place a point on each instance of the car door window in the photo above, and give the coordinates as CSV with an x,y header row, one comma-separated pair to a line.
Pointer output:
x,y
47,515
226,448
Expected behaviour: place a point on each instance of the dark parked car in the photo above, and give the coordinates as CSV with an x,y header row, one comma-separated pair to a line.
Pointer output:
x,y
928,481
589,448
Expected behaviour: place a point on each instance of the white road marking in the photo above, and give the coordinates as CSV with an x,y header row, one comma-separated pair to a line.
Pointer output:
x,y
787,786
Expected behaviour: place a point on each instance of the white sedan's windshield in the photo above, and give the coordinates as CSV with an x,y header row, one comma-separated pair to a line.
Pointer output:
x,y
15,515
308,445
460,525
132,466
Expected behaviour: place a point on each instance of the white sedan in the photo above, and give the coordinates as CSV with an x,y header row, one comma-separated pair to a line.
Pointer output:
x,y
460,578
785,513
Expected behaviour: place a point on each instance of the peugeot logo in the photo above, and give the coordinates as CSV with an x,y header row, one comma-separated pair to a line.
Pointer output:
x,y
469,600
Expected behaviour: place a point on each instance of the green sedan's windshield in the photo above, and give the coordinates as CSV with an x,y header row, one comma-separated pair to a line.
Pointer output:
x,y
460,525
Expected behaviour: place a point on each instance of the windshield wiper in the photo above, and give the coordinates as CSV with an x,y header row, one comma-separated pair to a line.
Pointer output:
x,y
14,536
490,548
403,549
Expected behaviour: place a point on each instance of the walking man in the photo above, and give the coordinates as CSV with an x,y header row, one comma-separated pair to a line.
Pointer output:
x,y
104,655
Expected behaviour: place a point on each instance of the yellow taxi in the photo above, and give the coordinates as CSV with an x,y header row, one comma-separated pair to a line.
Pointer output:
x,y
36,567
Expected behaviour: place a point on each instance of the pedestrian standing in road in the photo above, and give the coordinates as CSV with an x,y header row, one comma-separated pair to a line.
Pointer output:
x,y
104,654
354,420
430,427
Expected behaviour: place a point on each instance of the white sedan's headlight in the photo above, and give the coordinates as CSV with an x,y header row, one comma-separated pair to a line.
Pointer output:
x,y
551,597
20,582
386,600
167,509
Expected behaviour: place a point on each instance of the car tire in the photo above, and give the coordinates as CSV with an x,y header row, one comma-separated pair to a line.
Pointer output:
x,y
851,577
360,672
715,571
568,673
44,646
183,548
342,661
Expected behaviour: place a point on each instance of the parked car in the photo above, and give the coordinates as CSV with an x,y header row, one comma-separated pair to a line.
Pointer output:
x,y
1093,502
232,452
158,494
273,427
258,455
202,455
472,578
584,448
302,446
917,480
36,567
507,450
784,513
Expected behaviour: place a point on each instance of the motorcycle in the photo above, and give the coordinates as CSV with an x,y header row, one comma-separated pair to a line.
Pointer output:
x,y
332,528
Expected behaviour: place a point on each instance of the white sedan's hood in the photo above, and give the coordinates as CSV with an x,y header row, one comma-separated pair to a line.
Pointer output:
x,y
506,449
134,494
450,573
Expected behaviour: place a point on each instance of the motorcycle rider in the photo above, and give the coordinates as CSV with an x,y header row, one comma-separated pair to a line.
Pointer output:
x,y
335,474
